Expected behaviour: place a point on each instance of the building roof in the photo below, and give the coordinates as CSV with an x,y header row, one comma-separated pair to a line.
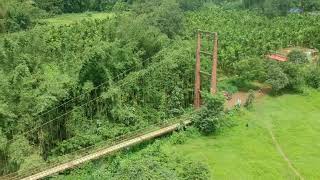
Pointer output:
x,y
277,57
282,55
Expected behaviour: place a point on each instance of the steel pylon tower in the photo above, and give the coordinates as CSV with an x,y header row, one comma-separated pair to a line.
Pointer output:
x,y
214,55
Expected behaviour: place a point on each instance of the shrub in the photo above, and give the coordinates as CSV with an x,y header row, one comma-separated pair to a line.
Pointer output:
x,y
195,170
53,6
169,18
16,15
208,120
250,69
296,76
163,14
190,5
178,138
120,6
227,86
208,125
277,78
297,57
313,77
250,99
286,76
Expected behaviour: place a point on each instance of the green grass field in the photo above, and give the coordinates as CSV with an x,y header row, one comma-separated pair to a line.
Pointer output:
x,y
75,17
245,152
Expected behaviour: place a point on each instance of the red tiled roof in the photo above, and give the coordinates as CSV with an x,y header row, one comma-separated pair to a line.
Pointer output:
x,y
278,57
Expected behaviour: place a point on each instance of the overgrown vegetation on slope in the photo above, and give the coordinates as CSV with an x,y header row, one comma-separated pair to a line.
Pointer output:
x,y
139,63
51,65
151,162
247,37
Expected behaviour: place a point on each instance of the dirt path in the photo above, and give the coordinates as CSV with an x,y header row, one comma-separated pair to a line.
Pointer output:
x,y
242,97
283,154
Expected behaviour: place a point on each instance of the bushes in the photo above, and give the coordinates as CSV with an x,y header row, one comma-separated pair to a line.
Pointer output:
x,y
286,76
190,5
248,70
178,138
16,15
168,18
208,119
52,6
74,6
313,77
297,57
166,15
296,76
195,171
277,78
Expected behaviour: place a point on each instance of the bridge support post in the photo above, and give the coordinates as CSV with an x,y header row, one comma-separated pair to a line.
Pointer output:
x,y
197,84
213,88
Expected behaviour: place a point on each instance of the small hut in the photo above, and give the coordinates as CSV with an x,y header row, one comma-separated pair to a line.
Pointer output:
x,y
282,55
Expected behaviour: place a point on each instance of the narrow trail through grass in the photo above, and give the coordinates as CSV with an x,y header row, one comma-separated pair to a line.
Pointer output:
x,y
243,152
282,153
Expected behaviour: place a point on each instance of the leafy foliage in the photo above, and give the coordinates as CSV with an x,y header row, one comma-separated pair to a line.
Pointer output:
x,y
113,76
17,15
297,57
190,5
244,35
209,119
277,78
151,162
313,77
250,100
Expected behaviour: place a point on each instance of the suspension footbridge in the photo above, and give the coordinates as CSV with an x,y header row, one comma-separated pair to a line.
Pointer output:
x,y
50,128
103,152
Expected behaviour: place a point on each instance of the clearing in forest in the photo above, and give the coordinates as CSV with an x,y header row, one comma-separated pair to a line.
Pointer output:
x,y
250,153
66,19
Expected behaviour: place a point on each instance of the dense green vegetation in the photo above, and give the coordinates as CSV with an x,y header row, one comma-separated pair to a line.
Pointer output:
x,y
152,162
71,18
72,81
245,150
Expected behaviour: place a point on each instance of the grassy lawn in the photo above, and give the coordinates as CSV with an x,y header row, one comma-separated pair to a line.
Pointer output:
x,y
248,152
74,17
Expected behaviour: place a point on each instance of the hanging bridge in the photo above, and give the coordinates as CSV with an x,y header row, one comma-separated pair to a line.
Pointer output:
x,y
118,144
95,104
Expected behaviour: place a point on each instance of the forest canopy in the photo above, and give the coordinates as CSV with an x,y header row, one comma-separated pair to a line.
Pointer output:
x,y
66,87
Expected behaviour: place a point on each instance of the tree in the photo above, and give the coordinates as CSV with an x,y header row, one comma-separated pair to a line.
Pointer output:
x,y
17,15
253,3
307,5
276,7
3,142
313,77
164,14
297,57
250,69
296,76
190,5
19,150
93,71
54,6
277,78
3,13
208,120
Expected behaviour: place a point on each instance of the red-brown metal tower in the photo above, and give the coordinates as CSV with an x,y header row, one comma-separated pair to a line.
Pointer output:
x,y
214,55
